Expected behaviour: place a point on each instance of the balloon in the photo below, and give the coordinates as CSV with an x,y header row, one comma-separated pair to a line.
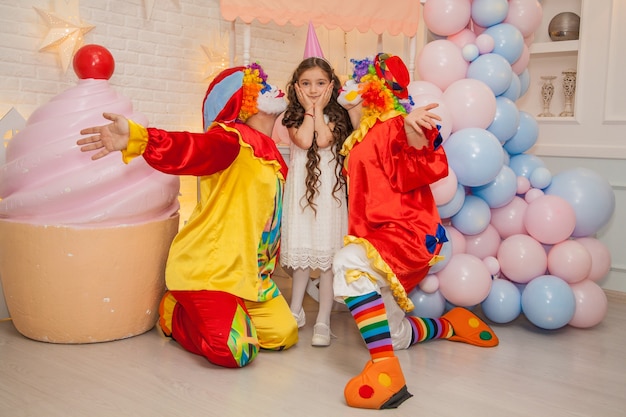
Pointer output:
x,y
524,164
548,302
514,90
492,264
419,87
474,216
485,43
526,135
470,52
465,281
489,12
447,17
457,239
504,302
506,119
591,304
429,284
475,155
492,69
427,305
462,38
453,206
524,79
549,219
444,189
508,41
589,194
522,258
446,253
500,191
523,185
442,111
522,62
471,103
570,261
540,177
600,257
441,63
93,61
280,134
525,15
509,220
533,194
484,244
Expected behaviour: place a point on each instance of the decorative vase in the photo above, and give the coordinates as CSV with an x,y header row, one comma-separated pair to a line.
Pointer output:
x,y
547,91
569,88
564,27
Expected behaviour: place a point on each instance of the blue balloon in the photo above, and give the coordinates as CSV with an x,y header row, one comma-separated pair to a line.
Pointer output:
x,y
590,195
506,120
453,206
475,155
427,305
493,70
548,302
470,52
487,13
515,89
509,41
500,191
524,79
474,216
526,135
504,302
540,178
524,164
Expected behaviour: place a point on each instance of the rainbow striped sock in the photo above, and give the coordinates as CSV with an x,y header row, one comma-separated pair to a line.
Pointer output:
x,y
371,318
426,329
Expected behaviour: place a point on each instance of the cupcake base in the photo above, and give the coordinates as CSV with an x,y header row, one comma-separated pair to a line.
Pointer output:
x,y
73,285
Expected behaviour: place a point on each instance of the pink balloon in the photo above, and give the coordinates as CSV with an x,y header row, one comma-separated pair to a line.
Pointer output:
x,y
441,111
492,264
570,261
465,281
418,87
485,43
429,284
523,185
471,103
462,38
457,239
550,219
478,30
600,257
280,134
447,17
528,40
483,244
525,15
522,62
532,194
444,189
591,304
441,63
509,220
522,258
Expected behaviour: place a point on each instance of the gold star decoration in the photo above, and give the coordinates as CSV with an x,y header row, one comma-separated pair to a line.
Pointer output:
x,y
66,30
217,53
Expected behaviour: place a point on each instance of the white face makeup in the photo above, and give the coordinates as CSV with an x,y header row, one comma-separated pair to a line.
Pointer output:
x,y
272,101
349,95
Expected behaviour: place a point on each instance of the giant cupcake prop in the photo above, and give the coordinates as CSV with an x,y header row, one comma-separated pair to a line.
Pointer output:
x,y
83,243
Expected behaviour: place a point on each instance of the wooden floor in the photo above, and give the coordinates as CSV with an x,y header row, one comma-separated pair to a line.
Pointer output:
x,y
568,372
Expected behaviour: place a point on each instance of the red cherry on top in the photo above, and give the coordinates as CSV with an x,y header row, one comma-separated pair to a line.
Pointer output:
x,y
93,61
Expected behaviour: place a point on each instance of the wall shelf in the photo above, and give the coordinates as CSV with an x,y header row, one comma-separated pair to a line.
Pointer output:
x,y
554,47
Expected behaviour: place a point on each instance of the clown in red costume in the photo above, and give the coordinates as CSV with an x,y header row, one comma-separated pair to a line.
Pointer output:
x,y
394,230
221,301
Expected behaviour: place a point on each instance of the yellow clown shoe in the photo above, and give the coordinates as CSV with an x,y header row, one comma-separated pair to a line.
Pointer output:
x,y
380,385
469,328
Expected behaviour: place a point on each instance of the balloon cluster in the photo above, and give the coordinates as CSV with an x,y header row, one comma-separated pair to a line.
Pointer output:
x,y
521,240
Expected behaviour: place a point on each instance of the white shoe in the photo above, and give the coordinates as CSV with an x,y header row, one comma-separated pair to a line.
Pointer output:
x,y
300,318
321,335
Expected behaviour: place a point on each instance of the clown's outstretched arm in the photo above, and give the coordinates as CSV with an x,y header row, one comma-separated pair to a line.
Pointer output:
x,y
107,138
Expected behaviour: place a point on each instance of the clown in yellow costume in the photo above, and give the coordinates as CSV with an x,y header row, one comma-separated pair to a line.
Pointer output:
x,y
394,230
221,301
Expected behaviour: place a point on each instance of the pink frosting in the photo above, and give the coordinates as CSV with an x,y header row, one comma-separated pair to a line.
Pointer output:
x,y
47,179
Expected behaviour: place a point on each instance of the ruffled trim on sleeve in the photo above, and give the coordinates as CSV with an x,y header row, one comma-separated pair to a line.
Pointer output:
x,y
137,142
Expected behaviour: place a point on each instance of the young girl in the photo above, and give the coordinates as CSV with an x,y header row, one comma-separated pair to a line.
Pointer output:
x,y
315,209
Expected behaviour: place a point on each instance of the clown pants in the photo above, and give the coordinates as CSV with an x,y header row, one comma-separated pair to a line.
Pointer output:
x,y
353,257
225,329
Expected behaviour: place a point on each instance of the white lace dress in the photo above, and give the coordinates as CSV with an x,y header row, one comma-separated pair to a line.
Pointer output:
x,y
309,240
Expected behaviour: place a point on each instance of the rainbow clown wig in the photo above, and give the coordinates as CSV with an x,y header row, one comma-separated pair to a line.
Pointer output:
x,y
383,83
233,95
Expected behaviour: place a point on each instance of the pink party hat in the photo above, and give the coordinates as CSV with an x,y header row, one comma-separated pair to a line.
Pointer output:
x,y
312,47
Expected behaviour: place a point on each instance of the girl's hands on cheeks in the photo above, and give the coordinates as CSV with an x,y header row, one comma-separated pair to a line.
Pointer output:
x,y
303,99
